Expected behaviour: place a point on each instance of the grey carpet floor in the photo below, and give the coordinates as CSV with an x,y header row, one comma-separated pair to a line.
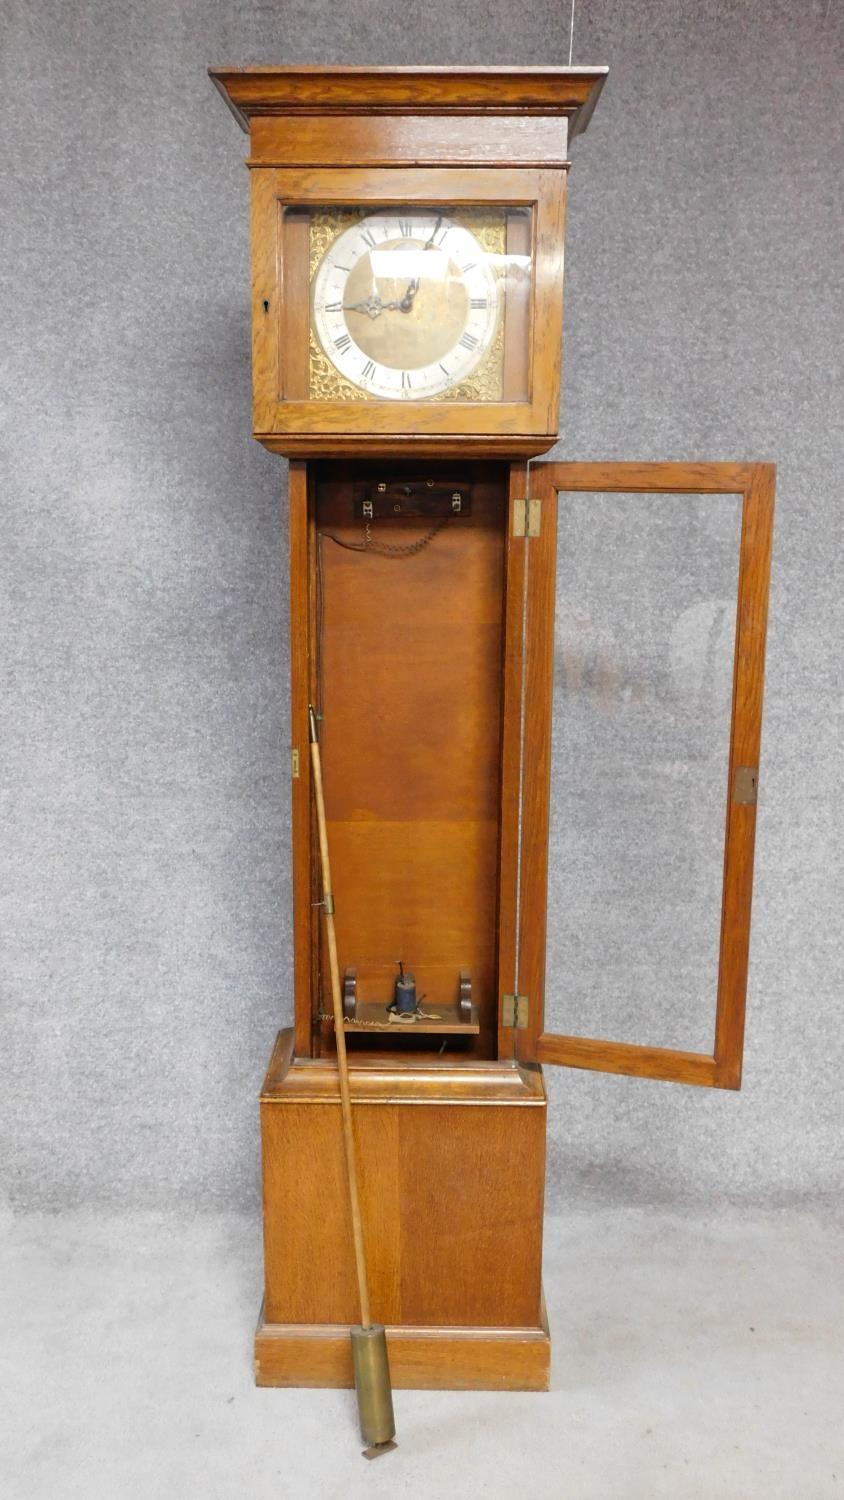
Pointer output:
x,y
692,1358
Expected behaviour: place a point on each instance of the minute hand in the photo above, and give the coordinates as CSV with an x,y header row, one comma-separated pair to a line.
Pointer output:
x,y
407,300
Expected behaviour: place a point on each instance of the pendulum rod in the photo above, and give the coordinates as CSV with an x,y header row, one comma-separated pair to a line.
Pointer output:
x,y
369,1345
339,1032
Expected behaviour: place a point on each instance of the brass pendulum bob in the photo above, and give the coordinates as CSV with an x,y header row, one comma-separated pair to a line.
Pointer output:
x,y
372,1383
369,1342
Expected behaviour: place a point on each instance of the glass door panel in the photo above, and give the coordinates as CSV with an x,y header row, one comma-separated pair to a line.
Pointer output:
x,y
646,589
646,600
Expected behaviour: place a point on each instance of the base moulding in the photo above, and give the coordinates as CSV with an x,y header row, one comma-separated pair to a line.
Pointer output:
x,y
424,1359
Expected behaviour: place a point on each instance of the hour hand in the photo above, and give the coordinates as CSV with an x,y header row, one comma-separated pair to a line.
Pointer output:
x,y
372,305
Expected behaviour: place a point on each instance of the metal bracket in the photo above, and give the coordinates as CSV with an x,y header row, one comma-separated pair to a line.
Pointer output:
x,y
464,995
514,1011
406,497
350,994
527,517
745,783
294,763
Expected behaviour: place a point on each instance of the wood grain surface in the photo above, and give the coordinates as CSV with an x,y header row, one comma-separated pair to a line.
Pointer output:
x,y
285,420
319,90
412,140
409,652
424,1359
452,1170
304,873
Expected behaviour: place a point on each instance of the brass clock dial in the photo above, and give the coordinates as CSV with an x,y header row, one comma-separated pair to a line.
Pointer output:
x,y
405,304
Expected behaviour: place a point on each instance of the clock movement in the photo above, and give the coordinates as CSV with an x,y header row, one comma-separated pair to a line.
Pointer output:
x,y
407,305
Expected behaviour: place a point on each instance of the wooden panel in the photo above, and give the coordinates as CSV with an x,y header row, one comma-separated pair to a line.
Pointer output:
x,y
304,886
387,1079
294,323
511,753
540,564
406,446
452,1190
745,744
655,478
422,1359
478,1189
626,1057
755,483
547,300
429,185
410,695
411,660
418,140
305,1186
376,419
267,299
422,891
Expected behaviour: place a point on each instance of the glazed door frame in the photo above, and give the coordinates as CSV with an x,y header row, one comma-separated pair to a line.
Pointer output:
x,y
529,661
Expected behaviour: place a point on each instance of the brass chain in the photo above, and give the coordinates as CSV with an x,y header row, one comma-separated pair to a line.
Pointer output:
x,y
387,549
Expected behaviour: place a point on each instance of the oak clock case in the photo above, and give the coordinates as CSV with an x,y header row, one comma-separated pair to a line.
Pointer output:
x,y
407,318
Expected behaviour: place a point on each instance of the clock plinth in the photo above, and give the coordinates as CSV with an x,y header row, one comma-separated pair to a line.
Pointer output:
x,y
421,1359
407,258
452,1204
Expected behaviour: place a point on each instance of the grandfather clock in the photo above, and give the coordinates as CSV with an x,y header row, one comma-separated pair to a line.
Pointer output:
x,y
407,296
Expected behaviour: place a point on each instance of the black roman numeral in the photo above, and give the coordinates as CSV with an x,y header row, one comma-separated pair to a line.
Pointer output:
x,y
477,304
368,236
468,341
469,266
368,370
405,229
405,380
333,307
343,343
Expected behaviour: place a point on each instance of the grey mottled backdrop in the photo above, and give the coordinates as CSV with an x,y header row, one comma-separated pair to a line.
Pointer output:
x,y
145,875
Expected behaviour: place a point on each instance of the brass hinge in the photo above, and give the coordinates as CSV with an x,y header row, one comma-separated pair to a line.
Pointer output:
x,y
514,1011
527,517
745,783
294,763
